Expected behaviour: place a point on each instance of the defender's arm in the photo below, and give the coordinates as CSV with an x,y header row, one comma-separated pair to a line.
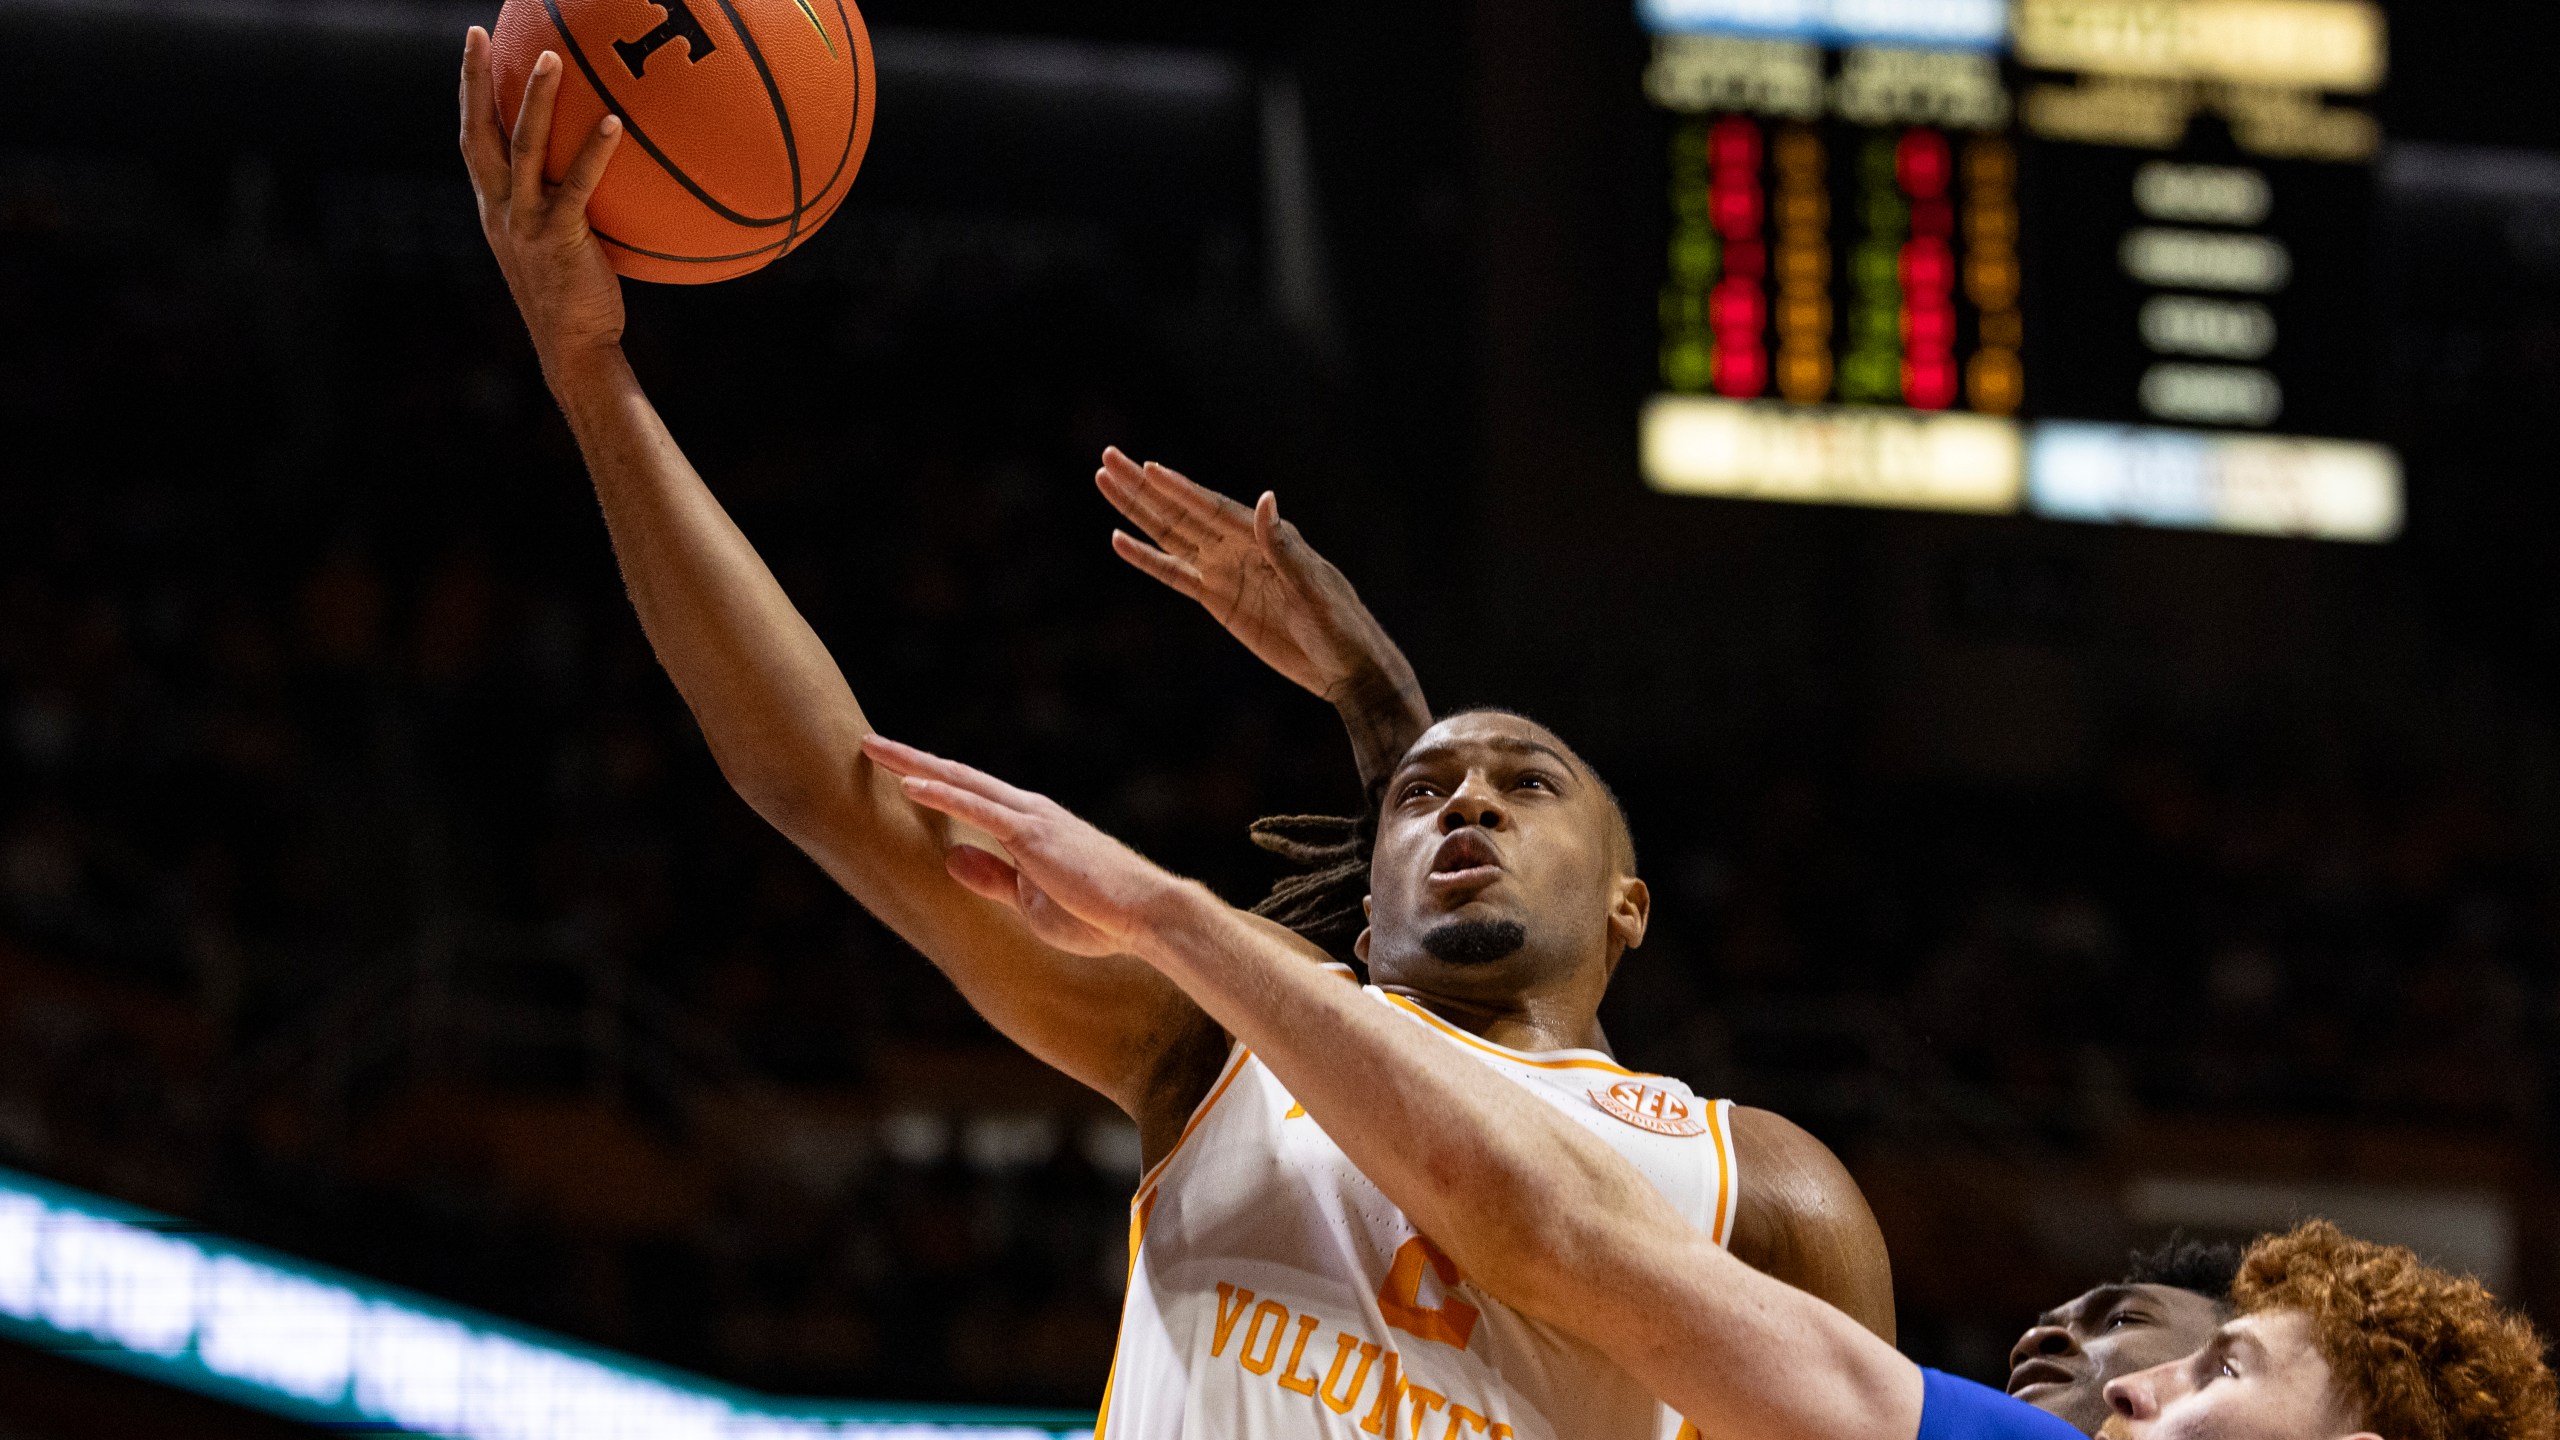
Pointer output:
x,y
1257,576
777,712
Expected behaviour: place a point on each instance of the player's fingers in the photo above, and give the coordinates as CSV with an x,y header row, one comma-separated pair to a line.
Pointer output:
x,y
587,171
1124,495
1266,525
533,125
1125,485
902,759
1128,492
1192,498
1181,575
484,147
906,761
1117,463
1056,923
983,872
997,820
1281,544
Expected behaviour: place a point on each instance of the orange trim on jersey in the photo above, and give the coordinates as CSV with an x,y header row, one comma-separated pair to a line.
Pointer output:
x,y
1137,1237
1235,1067
1517,1057
1726,1161
1724,1171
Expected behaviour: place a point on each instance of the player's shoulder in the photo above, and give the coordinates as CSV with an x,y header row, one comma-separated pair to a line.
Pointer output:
x,y
1795,1193
1802,1218
1781,1146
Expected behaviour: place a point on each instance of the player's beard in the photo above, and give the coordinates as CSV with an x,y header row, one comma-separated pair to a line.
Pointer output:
x,y
1475,942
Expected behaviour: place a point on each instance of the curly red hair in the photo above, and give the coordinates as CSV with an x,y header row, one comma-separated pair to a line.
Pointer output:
x,y
2418,1354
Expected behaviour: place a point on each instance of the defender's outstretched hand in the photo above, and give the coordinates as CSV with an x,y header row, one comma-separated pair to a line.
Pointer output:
x,y
1079,889
571,299
1257,576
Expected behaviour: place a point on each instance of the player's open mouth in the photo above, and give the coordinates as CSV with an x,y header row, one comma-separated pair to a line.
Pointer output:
x,y
1466,858
2038,1372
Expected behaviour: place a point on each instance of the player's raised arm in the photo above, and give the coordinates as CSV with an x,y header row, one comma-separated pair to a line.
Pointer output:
x,y
1536,1210
778,713
1257,576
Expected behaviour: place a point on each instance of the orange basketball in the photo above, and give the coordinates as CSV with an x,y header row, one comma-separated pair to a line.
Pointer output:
x,y
744,121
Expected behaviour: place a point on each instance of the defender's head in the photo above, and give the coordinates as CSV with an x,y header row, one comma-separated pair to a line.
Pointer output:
x,y
2340,1339
2168,1304
1503,867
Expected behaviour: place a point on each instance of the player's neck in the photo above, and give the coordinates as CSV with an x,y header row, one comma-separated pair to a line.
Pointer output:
x,y
1530,1022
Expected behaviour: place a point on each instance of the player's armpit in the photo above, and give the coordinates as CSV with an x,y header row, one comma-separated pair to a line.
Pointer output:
x,y
1113,1023
1803,1220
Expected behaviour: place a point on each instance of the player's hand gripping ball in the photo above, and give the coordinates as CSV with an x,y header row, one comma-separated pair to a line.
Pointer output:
x,y
747,120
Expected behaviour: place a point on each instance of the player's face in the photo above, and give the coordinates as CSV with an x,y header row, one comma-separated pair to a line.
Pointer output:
x,y
2062,1364
2261,1377
1497,867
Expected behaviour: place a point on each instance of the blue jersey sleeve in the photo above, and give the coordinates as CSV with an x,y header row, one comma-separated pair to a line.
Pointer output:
x,y
1953,1409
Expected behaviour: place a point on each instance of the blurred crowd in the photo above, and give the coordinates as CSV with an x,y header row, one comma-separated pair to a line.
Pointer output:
x,y
2262,936
365,889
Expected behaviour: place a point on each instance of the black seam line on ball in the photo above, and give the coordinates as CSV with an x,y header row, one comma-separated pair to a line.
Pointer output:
x,y
764,249
608,238
853,122
611,103
781,113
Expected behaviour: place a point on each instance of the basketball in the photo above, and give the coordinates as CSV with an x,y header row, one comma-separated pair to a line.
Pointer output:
x,y
746,121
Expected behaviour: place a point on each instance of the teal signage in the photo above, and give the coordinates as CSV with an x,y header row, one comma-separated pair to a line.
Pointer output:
x,y
139,1292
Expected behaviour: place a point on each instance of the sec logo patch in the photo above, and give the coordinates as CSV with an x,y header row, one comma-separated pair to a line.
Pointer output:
x,y
1648,1107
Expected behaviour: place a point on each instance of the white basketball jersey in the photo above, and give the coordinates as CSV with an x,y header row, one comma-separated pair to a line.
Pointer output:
x,y
1274,1293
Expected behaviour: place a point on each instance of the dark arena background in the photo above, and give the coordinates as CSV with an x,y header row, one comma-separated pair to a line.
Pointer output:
x,y
2082,843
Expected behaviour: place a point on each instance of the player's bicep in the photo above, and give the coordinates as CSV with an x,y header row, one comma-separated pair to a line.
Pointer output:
x,y
1803,1220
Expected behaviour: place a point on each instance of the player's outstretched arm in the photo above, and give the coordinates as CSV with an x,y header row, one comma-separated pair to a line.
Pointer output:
x,y
1256,575
1537,1210
777,712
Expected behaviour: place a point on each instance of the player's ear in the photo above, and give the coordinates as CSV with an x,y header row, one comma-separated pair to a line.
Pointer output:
x,y
1630,911
1360,947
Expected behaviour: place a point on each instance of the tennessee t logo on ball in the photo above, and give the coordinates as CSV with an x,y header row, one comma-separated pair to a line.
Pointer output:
x,y
737,155
679,25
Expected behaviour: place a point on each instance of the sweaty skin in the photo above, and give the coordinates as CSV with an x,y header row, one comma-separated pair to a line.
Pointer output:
x,y
783,724
1537,1210
2065,1361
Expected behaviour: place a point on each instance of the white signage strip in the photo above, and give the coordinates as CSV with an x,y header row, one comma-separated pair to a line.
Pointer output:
x,y
2339,45
1928,24
1850,455
2061,470
125,1288
2244,484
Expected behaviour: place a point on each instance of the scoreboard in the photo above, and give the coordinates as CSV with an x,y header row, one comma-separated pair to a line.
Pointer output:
x,y
2085,259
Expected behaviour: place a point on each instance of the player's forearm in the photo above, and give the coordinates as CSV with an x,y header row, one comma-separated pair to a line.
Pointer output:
x,y
769,698
1383,709
1406,1108
1539,1212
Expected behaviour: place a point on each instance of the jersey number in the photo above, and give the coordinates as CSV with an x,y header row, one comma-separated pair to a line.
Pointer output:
x,y
1450,1322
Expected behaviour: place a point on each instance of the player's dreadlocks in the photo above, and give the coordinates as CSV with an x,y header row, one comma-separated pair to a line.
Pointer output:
x,y
1321,901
